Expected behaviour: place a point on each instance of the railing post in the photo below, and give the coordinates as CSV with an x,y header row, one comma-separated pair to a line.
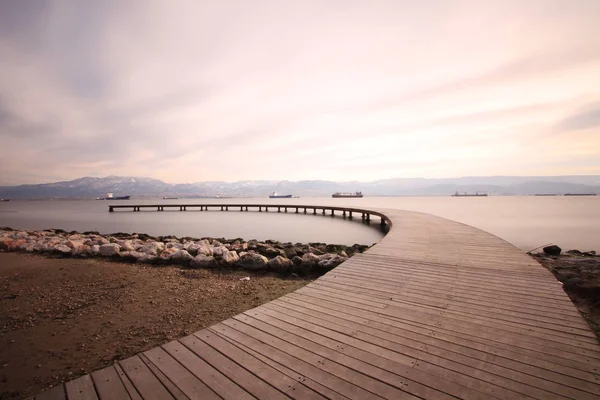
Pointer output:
x,y
296,210
323,211
226,208
267,209
241,208
110,209
221,208
349,214
304,210
260,209
278,209
344,214
285,209
246,208
314,211
332,213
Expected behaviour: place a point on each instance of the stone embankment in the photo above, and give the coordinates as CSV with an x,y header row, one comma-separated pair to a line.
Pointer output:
x,y
189,252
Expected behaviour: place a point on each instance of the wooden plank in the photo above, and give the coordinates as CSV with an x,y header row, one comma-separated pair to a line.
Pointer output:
x,y
262,370
249,382
189,384
351,369
131,390
313,385
166,382
145,382
108,384
309,366
81,388
56,393
458,362
213,378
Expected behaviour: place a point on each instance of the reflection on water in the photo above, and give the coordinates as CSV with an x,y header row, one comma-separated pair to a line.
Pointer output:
x,y
528,222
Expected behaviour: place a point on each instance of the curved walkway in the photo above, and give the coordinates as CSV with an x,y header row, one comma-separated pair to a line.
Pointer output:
x,y
435,310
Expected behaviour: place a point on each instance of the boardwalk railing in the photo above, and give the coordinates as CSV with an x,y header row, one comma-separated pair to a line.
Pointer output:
x,y
348,212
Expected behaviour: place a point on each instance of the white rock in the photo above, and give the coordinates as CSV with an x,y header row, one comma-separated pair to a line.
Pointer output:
x,y
253,261
230,257
205,250
181,257
61,248
95,249
22,235
309,259
219,250
109,250
280,264
125,245
152,247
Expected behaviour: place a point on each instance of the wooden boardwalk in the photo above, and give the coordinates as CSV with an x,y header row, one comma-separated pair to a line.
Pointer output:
x,y
436,310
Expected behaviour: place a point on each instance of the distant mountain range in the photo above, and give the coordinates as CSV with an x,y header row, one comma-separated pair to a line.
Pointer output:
x,y
91,187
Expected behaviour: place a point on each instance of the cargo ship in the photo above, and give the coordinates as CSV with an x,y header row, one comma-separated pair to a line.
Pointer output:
x,y
338,195
109,196
465,194
274,195
580,194
4,199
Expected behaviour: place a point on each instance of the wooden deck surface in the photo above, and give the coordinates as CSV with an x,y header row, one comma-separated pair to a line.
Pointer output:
x,y
436,310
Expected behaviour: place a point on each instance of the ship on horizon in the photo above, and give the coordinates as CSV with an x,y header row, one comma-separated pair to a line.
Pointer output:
x,y
338,195
465,194
580,194
109,196
275,195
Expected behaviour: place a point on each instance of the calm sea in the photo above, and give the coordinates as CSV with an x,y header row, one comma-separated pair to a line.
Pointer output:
x,y
527,222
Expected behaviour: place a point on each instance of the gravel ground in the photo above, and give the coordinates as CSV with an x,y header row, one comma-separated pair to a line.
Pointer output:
x,y
62,318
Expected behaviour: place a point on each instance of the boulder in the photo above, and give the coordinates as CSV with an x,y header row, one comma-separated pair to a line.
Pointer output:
x,y
152,248
239,247
574,252
231,257
181,257
331,262
5,243
206,250
203,261
309,259
22,235
165,255
62,249
126,245
253,261
553,250
83,251
76,237
191,248
219,250
109,250
95,250
174,245
290,252
280,264
74,244
589,253
30,247
297,260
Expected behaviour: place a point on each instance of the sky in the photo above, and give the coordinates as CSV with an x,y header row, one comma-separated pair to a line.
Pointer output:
x,y
189,91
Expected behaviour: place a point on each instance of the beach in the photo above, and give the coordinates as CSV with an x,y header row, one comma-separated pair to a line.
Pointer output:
x,y
62,318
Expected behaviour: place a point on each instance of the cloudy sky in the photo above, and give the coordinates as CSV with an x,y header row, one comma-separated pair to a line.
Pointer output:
x,y
189,91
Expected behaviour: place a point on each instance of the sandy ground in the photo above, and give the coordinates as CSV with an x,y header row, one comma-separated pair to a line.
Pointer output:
x,y
62,318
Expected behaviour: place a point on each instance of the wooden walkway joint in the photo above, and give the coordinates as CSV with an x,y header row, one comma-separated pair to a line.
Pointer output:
x,y
435,310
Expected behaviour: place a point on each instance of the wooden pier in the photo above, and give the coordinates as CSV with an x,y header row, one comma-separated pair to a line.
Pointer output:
x,y
435,310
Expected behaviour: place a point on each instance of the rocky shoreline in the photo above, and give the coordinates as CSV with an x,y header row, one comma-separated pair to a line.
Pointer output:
x,y
284,258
